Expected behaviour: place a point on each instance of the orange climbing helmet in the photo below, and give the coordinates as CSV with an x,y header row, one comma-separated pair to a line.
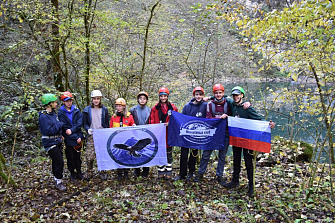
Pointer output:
x,y
120,101
143,93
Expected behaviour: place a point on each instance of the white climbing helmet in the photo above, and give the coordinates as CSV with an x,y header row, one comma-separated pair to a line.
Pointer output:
x,y
96,93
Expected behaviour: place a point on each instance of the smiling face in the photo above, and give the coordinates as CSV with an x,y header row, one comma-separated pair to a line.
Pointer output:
x,y
198,95
218,94
96,101
237,98
163,98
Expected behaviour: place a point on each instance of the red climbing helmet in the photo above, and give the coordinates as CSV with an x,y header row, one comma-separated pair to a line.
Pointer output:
x,y
198,89
66,95
164,90
217,87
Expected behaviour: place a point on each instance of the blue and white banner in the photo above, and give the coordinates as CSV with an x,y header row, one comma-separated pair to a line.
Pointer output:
x,y
197,133
130,147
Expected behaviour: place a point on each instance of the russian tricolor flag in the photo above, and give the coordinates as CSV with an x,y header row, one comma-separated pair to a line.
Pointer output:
x,y
250,134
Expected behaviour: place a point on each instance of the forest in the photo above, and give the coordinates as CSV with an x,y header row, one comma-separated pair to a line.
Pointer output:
x,y
280,52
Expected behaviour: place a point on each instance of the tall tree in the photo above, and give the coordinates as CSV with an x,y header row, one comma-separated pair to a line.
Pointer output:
x,y
300,41
89,14
58,76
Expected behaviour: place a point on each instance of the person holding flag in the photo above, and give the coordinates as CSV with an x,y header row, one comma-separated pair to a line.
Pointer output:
x,y
197,108
160,114
141,114
250,113
52,140
71,118
95,116
121,118
216,108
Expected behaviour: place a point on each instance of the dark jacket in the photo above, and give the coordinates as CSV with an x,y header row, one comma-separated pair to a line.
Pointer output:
x,y
134,112
87,117
51,127
196,110
75,125
250,113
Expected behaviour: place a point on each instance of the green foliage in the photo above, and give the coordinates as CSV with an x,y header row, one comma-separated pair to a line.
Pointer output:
x,y
299,41
308,152
4,173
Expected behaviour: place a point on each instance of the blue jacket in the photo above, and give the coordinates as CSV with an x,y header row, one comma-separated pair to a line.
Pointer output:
x,y
74,124
87,117
196,110
50,126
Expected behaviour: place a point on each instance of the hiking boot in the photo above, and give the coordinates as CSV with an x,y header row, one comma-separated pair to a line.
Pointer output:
x,y
179,178
73,177
89,175
125,174
145,174
60,186
231,185
221,180
137,172
198,177
161,175
251,192
103,176
119,176
189,177
79,176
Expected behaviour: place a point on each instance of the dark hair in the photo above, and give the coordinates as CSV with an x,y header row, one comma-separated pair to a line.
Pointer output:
x,y
202,93
100,105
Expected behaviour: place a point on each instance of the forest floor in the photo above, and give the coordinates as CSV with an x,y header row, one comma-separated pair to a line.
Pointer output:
x,y
281,195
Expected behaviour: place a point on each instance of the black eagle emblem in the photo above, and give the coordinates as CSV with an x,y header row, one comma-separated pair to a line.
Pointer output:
x,y
132,150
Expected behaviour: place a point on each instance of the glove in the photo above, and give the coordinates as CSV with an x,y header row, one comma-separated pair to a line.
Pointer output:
x,y
90,131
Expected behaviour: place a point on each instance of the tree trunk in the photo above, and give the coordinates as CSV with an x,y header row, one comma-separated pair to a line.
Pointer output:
x,y
58,78
88,21
325,113
145,46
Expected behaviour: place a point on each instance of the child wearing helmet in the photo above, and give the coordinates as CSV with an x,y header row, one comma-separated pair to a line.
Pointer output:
x,y
160,114
216,108
71,118
51,129
250,113
197,108
141,113
95,116
121,118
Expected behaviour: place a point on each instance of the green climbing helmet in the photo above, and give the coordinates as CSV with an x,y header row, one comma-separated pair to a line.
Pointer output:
x,y
238,90
47,98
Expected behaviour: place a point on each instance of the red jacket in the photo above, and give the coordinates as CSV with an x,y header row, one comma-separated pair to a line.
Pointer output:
x,y
126,121
157,115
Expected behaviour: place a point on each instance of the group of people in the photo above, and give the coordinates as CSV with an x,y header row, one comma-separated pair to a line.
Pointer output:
x,y
66,128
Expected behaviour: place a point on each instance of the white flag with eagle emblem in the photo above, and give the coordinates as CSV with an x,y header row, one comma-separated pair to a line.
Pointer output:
x,y
130,147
